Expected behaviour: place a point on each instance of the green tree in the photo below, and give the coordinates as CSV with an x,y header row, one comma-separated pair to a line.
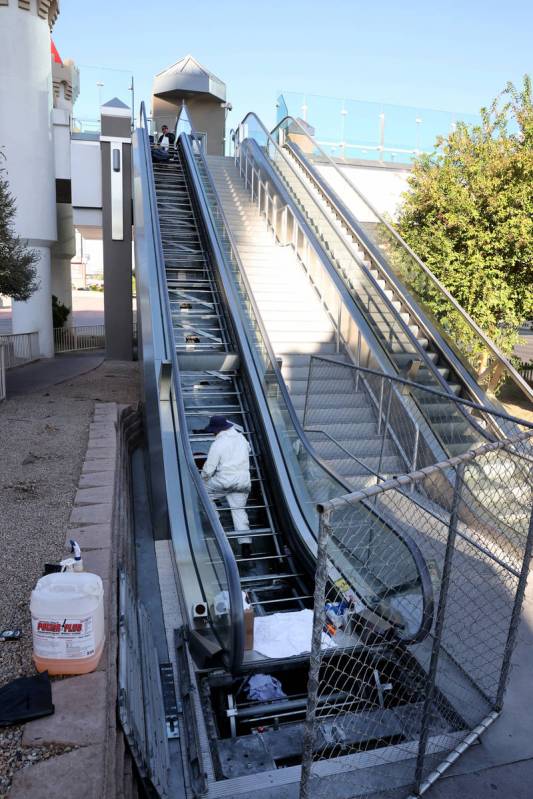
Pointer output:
x,y
17,262
468,214
60,312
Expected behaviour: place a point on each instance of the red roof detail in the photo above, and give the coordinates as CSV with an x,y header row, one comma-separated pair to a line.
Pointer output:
x,y
55,55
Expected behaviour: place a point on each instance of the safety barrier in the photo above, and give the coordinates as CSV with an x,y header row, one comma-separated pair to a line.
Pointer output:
x,y
84,337
19,348
415,662
2,374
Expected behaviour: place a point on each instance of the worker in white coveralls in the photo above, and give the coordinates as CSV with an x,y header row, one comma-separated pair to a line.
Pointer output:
x,y
227,473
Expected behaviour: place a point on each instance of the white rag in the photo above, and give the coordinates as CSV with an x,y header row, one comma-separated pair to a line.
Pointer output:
x,y
284,635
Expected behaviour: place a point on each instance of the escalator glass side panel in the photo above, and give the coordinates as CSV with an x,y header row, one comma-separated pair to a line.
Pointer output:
x,y
170,249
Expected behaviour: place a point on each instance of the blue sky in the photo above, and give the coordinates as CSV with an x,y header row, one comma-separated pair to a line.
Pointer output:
x,y
453,56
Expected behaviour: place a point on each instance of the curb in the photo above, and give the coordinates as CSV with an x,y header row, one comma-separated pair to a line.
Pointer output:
x,y
85,705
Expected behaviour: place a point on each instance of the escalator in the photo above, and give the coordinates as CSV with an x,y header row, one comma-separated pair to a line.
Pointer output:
x,y
205,352
411,346
444,329
211,384
300,290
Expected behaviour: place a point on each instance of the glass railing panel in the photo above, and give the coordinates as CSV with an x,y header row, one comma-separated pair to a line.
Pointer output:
x,y
362,130
210,562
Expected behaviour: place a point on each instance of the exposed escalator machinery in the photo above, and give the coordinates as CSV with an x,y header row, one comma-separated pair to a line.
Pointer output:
x,y
277,574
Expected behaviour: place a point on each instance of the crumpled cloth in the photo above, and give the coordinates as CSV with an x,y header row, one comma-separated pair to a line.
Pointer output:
x,y
264,688
26,698
283,635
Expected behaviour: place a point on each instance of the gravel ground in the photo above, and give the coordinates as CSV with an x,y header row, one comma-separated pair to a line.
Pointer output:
x,y
43,437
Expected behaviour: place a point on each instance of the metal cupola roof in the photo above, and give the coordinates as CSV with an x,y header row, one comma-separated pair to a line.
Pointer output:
x,y
188,76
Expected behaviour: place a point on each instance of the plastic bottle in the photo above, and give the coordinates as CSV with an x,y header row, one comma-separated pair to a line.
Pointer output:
x,y
67,613
74,564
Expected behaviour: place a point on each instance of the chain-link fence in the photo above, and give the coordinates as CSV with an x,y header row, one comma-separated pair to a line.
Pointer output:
x,y
419,587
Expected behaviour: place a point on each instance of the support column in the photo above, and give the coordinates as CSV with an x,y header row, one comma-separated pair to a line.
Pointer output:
x,y
116,226
62,253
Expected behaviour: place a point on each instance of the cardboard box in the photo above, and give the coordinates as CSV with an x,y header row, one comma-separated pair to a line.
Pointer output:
x,y
248,628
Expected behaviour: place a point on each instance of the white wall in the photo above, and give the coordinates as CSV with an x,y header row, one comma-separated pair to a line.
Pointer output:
x,y
61,122
86,167
382,186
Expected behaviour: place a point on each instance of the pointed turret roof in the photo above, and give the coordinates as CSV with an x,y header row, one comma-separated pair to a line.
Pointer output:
x,y
56,58
188,76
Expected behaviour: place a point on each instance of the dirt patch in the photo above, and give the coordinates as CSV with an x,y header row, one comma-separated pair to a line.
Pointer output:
x,y
43,438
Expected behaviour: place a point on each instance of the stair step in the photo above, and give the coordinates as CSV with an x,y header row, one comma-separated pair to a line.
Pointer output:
x,y
350,417
348,467
360,447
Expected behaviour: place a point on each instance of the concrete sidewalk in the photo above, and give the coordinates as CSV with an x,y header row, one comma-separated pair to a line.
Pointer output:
x,y
501,765
48,372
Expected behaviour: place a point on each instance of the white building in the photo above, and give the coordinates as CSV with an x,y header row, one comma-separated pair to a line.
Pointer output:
x,y
27,123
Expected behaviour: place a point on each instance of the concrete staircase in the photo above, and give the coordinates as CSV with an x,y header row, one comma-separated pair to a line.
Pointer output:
x,y
298,327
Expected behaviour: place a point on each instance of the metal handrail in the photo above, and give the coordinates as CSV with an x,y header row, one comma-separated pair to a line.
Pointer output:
x,y
230,565
421,474
20,348
515,376
422,354
411,384
343,448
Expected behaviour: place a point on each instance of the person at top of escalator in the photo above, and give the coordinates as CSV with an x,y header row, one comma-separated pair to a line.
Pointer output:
x,y
226,472
166,138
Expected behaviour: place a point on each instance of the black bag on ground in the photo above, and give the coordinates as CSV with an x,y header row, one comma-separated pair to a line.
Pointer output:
x,y
25,699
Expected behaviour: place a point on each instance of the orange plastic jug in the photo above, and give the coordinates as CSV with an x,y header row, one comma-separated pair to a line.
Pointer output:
x,y
67,614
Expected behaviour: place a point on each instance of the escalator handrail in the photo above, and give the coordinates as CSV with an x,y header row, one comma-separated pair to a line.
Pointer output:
x,y
515,376
402,535
349,221
230,565
461,368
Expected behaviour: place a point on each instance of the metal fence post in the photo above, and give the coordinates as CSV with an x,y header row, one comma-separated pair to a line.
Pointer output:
x,y
439,625
309,373
515,615
380,409
387,418
2,373
319,616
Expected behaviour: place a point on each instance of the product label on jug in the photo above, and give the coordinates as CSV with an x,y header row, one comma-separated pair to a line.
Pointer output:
x,y
63,638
